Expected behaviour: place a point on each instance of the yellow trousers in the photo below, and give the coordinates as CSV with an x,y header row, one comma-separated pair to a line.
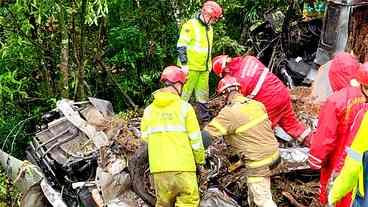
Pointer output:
x,y
198,82
179,189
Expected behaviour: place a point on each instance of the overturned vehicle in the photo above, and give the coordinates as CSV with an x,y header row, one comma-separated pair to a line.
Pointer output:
x,y
87,156
345,28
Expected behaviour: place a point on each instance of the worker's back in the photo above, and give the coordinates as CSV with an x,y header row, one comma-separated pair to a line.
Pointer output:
x,y
248,129
169,126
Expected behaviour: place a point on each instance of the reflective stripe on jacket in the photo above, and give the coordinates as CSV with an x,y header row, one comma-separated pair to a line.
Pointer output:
x,y
170,127
246,128
197,38
351,175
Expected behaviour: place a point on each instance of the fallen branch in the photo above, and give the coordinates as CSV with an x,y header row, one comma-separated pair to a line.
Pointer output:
x,y
292,199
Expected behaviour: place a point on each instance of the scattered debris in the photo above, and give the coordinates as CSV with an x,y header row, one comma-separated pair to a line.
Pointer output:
x,y
98,156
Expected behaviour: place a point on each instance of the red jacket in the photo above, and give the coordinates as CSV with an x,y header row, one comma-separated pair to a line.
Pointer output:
x,y
260,84
328,142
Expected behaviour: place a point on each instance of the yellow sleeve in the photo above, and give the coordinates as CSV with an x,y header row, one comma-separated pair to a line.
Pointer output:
x,y
346,181
186,34
352,170
195,136
144,125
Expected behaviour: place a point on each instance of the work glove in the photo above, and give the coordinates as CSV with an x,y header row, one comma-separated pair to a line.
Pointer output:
x,y
185,69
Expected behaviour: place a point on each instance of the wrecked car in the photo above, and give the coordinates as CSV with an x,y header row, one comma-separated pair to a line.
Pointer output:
x,y
85,155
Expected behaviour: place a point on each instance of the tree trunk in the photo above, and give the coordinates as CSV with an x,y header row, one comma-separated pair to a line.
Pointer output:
x,y
64,56
80,92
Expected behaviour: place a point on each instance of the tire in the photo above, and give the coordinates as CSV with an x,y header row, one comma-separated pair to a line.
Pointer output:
x,y
138,166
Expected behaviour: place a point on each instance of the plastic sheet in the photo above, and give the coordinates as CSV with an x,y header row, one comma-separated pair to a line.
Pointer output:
x,y
213,197
321,88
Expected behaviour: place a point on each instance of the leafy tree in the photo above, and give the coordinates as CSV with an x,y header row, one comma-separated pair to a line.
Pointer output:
x,y
109,49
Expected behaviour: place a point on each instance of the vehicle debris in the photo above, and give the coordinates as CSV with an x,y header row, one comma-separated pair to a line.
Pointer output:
x,y
87,155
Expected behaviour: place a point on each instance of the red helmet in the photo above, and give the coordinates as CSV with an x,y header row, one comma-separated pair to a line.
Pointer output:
x,y
226,82
173,74
362,74
213,9
219,64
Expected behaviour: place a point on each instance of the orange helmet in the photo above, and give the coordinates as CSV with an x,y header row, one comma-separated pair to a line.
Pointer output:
x,y
225,83
362,74
173,74
219,64
212,9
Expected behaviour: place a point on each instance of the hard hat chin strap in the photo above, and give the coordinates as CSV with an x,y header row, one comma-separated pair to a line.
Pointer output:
x,y
176,89
228,91
203,18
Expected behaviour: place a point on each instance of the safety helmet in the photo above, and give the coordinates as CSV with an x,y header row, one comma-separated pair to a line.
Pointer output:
x,y
173,74
362,74
219,64
225,83
212,9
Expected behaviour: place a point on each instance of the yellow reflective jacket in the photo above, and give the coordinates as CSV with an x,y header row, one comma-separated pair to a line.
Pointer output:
x,y
197,38
351,175
170,127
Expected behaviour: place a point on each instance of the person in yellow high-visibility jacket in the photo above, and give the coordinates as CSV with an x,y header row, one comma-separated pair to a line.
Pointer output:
x,y
247,131
352,177
170,127
354,174
194,47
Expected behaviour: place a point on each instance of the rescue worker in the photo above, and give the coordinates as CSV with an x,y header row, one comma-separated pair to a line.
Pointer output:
x,y
328,142
354,174
247,130
194,47
258,83
170,127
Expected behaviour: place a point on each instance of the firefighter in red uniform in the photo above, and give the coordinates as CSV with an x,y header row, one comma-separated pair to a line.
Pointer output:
x,y
258,83
328,142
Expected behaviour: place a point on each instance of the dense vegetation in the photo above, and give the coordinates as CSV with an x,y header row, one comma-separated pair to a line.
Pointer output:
x,y
111,49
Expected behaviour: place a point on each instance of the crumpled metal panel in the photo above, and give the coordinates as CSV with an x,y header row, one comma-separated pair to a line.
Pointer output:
x,y
34,197
23,173
112,185
103,106
334,36
213,197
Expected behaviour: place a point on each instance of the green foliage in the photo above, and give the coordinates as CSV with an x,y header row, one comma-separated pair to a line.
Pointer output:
x,y
134,40
9,196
